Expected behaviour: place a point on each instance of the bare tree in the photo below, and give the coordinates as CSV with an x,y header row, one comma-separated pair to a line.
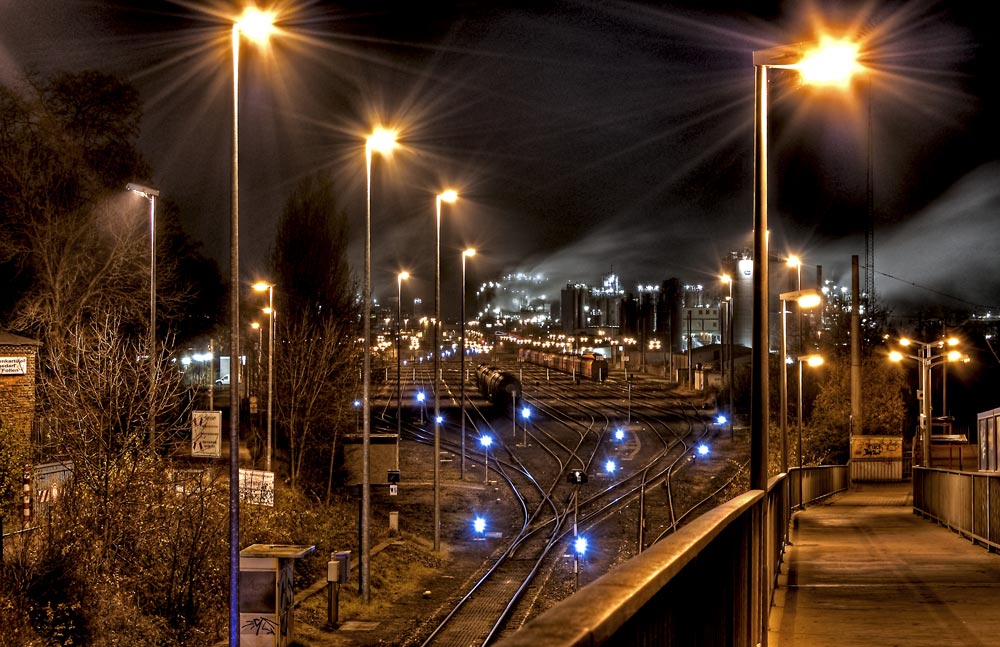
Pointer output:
x,y
317,320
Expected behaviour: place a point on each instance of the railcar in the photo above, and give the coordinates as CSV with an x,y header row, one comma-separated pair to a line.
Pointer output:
x,y
590,366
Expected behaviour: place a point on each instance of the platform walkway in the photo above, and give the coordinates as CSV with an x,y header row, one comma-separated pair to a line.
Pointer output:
x,y
863,569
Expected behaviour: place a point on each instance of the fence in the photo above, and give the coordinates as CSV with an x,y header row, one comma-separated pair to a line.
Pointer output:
x,y
966,502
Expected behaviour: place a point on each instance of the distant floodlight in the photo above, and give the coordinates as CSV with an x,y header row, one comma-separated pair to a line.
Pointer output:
x,y
721,420
486,441
619,434
479,525
703,449
609,467
420,396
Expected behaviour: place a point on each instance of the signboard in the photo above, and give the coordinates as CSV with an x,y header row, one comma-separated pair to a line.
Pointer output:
x,y
879,447
206,434
13,365
48,481
257,487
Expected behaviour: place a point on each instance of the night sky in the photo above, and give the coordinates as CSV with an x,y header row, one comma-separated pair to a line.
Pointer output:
x,y
582,136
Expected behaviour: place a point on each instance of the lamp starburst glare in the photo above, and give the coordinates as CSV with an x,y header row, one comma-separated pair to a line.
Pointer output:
x,y
832,63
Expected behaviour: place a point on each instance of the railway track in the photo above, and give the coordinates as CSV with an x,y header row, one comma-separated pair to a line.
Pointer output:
x,y
571,429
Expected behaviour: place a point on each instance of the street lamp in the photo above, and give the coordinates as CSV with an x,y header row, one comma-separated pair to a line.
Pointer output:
x,y
450,197
525,414
383,142
402,276
809,360
808,298
261,286
467,253
833,64
728,280
151,195
256,25
928,360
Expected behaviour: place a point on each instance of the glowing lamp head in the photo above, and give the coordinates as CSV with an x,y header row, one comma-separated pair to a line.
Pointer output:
x,y
725,278
439,419
261,286
357,403
794,261
449,196
619,434
954,356
256,25
721,420
703,449
420,396
479,525
952,341
525,413
809,301
254,325
469,252
895,356
904,342
486,441
382,141
832,63
610,467
580,545
403,276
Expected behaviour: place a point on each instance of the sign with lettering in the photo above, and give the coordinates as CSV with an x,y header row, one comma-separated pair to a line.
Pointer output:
x,y
257,487
13,365
206,434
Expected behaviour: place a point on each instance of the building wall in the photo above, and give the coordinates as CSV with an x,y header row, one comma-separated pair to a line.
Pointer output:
x,y
18,373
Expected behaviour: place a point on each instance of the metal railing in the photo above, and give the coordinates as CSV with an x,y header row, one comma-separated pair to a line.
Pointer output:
x,y
966,502
696,586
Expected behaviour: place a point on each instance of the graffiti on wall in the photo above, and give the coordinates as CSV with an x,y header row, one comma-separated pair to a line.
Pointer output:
x,y
880,447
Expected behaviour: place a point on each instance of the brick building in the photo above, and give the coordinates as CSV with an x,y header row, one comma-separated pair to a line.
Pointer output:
x,y
18,373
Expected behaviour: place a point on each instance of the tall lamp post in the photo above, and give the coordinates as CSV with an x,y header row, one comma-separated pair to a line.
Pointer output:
x,y
928,360
383,142
256,25
833,64
811,360
450,197
728,280
402,276
151,195
808,298
261,286
467,253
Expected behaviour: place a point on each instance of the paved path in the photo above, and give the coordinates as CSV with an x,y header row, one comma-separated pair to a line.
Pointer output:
x,y
864,570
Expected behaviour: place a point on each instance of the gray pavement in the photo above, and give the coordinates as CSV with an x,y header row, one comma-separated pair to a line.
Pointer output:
x,y
864,570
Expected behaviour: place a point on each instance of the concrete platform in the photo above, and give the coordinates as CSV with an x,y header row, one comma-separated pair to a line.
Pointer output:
x,y
864,570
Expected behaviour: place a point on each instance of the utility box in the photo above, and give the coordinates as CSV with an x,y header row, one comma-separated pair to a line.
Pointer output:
x,y
265,598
